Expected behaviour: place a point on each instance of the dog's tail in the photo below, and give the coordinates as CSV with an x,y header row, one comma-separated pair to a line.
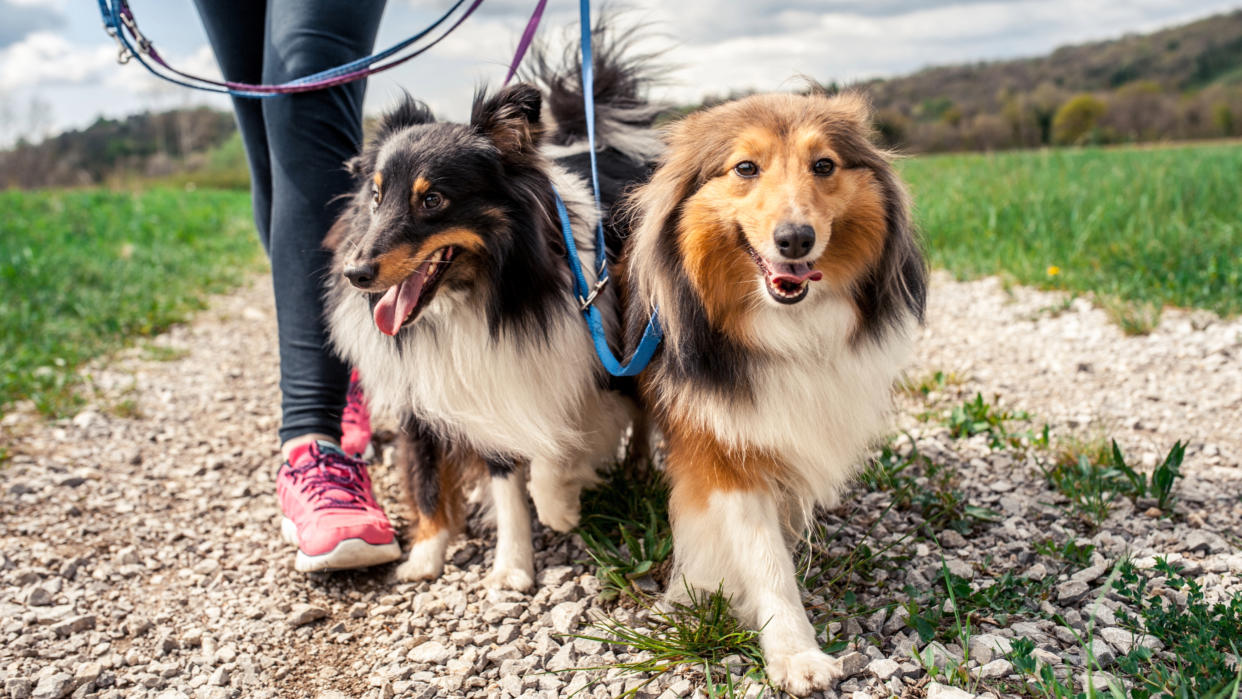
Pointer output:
x,y
624,118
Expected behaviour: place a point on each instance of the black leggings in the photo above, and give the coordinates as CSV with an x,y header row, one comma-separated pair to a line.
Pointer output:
x,y
296,145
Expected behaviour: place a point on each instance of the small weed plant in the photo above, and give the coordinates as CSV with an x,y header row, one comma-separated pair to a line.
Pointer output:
x,y
996,603
626,530
1201,641
1072,552
923,386
1197,654
1092,485
977,416
920,484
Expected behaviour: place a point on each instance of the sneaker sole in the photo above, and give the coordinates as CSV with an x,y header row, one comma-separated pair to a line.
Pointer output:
x,y
347,555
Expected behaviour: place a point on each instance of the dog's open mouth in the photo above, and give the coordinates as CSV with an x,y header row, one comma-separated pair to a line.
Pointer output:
x,y
401,303
787,282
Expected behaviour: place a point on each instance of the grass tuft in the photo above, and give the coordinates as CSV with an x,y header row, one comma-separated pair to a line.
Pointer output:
x,y
626,531
1133,317
701,632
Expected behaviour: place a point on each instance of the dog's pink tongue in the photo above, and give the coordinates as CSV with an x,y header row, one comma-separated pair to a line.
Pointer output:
x,y
397,303
796,272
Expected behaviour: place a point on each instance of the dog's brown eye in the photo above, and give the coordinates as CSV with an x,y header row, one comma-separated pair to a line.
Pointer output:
x,y
375,197
746,169
432,200
823,166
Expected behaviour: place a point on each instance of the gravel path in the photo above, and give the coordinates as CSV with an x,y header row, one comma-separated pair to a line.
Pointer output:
x,y
1066,363
139,553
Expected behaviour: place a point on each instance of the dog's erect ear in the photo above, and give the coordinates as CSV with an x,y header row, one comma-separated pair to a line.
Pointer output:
x,y
410,112
510,118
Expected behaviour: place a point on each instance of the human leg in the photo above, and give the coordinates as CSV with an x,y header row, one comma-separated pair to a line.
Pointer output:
x,y
237,32
309,136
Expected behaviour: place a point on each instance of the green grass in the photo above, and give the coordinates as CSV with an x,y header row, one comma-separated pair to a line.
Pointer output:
x,y
1092,484
1150,227
626,531
1198,648
83,272
701,632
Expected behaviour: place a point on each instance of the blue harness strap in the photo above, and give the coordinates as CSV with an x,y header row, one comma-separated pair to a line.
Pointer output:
x,y
585,293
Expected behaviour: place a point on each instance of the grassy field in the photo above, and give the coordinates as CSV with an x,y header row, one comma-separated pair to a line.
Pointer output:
x,y
83,271
1154,226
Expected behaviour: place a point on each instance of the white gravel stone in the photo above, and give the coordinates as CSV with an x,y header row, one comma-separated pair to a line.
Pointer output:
x,y
431,652
565,615
53,686
1071,591
303,614
883,668
935,690
985,646
996,669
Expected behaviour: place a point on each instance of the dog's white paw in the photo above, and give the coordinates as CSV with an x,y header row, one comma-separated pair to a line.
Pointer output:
x,y
507,578
802,673
426,559
560,514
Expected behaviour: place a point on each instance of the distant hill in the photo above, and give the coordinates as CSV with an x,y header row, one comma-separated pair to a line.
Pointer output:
x,y
1181,82
1188,57
146,145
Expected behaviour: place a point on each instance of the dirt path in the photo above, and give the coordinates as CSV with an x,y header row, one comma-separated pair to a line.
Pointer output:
x,y
140,553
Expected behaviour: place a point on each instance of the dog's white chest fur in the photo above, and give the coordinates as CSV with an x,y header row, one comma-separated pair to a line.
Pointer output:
x,y
819,402
505,396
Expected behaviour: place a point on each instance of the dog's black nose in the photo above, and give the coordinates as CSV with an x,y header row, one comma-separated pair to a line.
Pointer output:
x,y
794,240
361,274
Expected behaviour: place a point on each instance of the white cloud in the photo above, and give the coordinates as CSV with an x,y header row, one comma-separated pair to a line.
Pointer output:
x,y
44,58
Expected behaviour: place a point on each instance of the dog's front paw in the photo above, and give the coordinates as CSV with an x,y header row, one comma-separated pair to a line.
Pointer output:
x,y
426,559
560,515
802,673
506,578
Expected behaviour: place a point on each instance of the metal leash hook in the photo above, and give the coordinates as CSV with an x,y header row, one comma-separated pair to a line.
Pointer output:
x,y
143,45
585,303
123,54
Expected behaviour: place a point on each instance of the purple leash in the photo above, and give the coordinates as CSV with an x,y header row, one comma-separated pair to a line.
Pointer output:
x,y
527,37
119,20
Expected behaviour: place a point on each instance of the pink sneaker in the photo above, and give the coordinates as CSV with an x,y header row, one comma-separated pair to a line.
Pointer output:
x,y
330,513
356,422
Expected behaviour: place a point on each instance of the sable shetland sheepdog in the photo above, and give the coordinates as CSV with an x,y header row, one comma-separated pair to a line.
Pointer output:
x,y
775,241
452,295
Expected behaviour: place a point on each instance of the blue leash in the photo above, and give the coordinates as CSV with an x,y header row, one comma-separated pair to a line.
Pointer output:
x,y
586,294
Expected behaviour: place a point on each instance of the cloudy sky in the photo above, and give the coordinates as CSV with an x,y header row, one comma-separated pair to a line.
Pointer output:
x,y
58,69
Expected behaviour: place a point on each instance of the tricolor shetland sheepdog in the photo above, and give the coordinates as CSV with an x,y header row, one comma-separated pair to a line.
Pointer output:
x,y
452,295
776,242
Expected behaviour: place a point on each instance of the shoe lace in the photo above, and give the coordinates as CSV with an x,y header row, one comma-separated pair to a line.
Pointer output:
x,y
355,404
334,479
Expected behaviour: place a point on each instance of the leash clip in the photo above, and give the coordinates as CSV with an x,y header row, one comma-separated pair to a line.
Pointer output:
x,y
143,45
590,299
122,54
